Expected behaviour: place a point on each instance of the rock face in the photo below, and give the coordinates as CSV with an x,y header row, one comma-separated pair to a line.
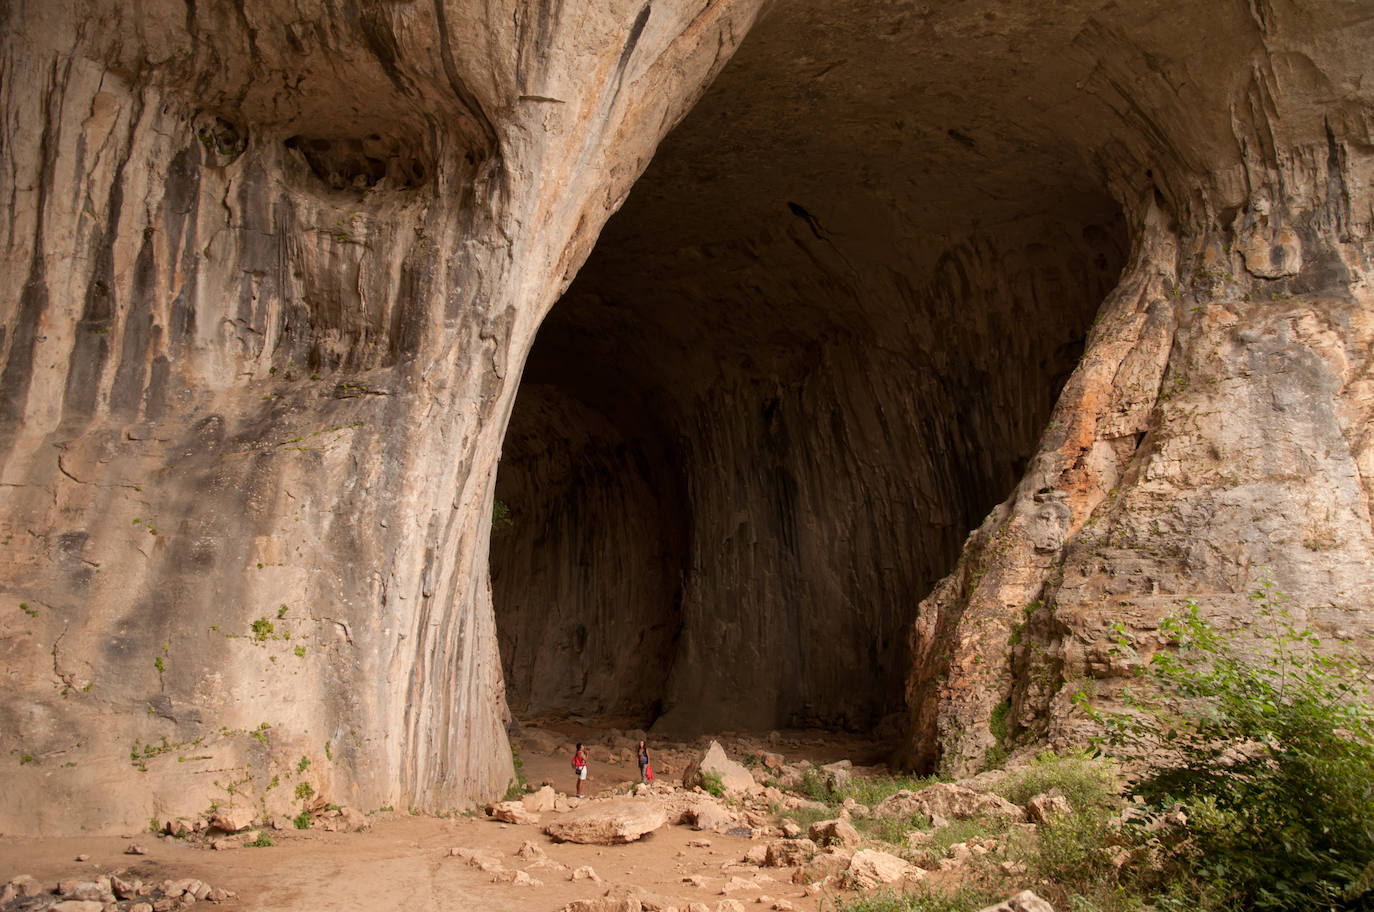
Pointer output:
x,y
1093,283
270,276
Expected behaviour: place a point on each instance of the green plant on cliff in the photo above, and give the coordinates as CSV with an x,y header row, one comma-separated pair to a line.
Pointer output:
x,y
500,515
1270,755
712,782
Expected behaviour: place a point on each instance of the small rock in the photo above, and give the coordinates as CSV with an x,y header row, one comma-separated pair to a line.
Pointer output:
x,y
585,873
729,905
83,857
530,852
790,829
699,843
135,849
756,855
516,878
78,905
488,860
218,895
141,907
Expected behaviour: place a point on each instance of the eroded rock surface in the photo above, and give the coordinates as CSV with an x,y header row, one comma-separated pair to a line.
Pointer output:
x,y
272,279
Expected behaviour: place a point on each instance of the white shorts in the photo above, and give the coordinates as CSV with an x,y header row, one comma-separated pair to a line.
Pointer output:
x,y
582,773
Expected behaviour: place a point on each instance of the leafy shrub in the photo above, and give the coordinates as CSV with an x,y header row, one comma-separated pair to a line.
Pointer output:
x,y
816,786
712,783
892,830
301,821
1272,758
873,791
262,842
1087,782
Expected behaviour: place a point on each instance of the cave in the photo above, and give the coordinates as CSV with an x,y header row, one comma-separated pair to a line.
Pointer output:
x,y
818,343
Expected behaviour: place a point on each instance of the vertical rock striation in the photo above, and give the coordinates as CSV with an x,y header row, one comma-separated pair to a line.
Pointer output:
x,y
270,277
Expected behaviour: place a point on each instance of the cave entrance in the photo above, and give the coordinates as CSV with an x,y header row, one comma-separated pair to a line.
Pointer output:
x,y
793,375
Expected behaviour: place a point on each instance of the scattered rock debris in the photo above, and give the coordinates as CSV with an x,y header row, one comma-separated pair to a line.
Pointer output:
x,y
108,893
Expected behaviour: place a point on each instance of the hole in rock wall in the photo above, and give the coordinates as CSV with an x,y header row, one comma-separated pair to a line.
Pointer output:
x,y
801,364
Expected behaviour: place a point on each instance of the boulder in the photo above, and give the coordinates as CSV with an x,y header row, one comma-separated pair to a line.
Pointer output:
x,y
613,822
1044,808
512,812
834,832
870,868
1025,901
949,800
708,815
231,819
540,801
734,776
787,853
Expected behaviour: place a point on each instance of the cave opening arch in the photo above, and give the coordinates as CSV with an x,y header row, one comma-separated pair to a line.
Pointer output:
x,y
797,369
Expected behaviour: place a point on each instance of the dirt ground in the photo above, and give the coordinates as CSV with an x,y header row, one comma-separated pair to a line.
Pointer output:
x,y
405,861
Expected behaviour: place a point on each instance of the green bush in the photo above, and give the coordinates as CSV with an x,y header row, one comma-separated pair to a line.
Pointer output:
x,y
1270,755
712,783
1086,781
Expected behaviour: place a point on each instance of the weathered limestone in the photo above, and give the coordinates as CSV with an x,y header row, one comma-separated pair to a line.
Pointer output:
x,y
270,276
272,279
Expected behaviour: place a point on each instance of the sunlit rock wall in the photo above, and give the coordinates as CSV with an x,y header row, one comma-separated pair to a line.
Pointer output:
x,y
270,275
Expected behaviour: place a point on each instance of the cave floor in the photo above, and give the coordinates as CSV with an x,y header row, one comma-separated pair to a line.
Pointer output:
x,y
406,861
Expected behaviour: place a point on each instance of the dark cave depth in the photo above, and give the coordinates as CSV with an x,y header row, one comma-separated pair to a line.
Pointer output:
x,y
803,361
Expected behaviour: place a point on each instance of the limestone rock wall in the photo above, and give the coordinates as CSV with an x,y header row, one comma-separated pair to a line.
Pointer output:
x,y
1215,434
270,274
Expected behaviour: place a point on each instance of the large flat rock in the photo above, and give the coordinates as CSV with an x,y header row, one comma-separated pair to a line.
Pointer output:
x,y
613,822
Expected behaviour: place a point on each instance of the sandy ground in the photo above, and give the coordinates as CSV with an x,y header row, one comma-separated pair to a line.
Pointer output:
x,y
405,861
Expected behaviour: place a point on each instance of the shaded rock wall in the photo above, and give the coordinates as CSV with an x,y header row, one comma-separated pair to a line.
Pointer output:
x,y
270,275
